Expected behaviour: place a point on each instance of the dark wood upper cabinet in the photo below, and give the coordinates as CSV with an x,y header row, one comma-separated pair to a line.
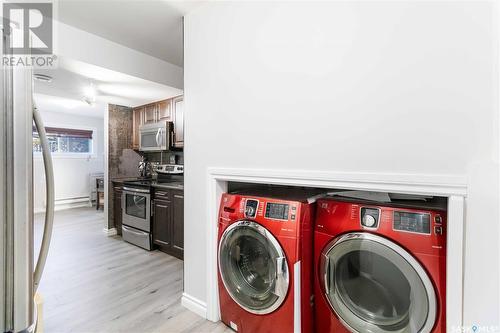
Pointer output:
x,y
178,118
168,110
150,114
178,224
165,110
137,121
162,223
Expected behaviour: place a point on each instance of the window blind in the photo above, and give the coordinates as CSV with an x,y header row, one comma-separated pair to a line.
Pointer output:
x,y
67,132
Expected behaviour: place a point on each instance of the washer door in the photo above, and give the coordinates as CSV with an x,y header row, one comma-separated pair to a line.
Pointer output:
x,y
253,267
374,285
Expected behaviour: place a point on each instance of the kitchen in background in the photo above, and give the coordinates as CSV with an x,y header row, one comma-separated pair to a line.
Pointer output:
x,y
146,174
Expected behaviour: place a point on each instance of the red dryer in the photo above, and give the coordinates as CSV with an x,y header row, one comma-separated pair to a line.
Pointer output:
x,y
379,269
265,263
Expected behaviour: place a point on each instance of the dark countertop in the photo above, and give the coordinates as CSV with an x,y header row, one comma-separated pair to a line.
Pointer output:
x,y
120,180
168,185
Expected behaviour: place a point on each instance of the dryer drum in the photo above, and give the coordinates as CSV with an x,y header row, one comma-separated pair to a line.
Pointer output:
x,y
373,285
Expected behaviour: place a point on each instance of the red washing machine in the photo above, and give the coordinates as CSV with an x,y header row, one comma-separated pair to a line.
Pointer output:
x,y
379,269
265,263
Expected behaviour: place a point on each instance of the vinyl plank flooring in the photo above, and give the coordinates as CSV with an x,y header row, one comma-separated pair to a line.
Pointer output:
x,y
98,284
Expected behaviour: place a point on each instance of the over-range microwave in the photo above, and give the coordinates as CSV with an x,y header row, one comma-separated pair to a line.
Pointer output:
x,y
155,137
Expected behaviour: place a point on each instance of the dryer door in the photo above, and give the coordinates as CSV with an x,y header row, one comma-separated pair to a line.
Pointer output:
x,y
374,285
253,267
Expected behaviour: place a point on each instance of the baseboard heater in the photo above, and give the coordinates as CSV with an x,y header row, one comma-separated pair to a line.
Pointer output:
x,y
68,201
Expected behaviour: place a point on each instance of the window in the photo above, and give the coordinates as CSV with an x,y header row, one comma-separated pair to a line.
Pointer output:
x,y
65,140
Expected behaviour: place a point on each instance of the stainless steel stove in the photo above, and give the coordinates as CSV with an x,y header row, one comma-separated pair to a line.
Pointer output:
x,y
136,203
136,214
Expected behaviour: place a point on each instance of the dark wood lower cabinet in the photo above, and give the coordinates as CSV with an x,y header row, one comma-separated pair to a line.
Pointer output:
x,y
162,221
178,224
117,209
168,223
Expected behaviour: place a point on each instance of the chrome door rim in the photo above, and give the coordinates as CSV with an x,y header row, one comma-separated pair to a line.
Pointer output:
x,y
405,255
274,242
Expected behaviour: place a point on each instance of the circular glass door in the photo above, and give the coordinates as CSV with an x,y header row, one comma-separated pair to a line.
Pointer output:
x,y
374,285
253,267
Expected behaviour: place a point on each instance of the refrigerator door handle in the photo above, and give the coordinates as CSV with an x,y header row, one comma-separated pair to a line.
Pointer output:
x,y
49,212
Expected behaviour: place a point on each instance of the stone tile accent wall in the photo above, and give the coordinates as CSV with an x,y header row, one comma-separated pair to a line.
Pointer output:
x,y
122,161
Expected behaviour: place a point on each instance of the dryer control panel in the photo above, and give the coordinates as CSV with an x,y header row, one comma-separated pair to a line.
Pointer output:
x,y
419,230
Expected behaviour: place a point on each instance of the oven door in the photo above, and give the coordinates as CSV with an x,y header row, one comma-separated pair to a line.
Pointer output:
x,y
136,208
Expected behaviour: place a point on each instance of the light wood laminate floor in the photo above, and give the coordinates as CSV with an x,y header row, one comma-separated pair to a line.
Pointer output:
x,y
94,283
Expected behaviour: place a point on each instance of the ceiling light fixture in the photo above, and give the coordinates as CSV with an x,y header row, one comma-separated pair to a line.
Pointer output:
x,y
89,94
42,77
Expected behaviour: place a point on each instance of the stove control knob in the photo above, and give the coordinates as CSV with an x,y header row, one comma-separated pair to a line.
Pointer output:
x,y
369,221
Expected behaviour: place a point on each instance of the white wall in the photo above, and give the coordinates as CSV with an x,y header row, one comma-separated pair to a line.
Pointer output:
x,y
377,87
71,173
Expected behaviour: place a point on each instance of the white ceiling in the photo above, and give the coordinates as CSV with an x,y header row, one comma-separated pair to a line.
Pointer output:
x,y
71,77
153,27
49,103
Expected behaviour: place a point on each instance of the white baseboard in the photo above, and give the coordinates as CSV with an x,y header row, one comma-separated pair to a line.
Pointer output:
x,y
63,204
110,232
195,305
70,206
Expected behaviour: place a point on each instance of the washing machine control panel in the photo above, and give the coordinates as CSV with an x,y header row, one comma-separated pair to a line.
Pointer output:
x,y
251,207
274,210
370,217
413,222
277,211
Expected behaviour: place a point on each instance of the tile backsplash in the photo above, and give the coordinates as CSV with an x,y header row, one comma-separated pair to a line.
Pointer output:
x,y
164,157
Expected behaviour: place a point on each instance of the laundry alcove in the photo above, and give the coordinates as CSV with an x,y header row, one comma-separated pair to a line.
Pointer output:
x,y
451,190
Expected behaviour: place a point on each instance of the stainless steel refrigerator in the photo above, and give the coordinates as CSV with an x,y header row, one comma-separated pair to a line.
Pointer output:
x,y
20,267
